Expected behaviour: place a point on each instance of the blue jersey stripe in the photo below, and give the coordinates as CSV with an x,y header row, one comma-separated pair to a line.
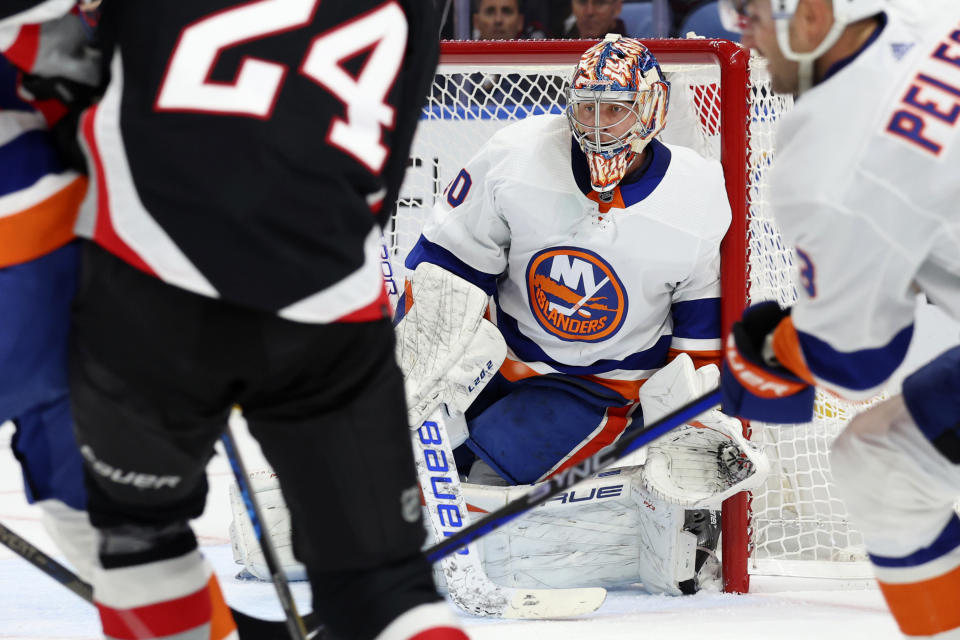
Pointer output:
x,y
25,159
932,394
947,541
635,188
857,370
528,351
426,251
697,319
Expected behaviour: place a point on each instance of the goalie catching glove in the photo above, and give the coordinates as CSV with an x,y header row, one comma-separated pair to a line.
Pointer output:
x,y
448,352
703,463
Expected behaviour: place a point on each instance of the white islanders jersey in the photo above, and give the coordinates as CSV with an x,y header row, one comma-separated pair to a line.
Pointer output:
x,y
580,287
866,186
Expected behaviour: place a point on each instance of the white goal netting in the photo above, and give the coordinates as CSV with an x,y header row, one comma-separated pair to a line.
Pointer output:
x,y
797,526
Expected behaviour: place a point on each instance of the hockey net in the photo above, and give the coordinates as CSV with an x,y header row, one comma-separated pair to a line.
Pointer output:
x,y
720,105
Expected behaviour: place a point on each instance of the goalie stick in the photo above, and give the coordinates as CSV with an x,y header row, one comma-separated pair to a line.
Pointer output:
x,y
248,627
468,585
561,482
467,582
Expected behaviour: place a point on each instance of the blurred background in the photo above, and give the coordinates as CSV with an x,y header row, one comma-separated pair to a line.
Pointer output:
x,y
538,19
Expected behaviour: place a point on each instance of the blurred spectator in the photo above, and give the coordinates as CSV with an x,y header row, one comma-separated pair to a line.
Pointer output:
x,y
562,23
638,19
680,10
503,20
705,21
594,19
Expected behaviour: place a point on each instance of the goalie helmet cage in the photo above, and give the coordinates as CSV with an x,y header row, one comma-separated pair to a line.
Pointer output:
x,y
721,105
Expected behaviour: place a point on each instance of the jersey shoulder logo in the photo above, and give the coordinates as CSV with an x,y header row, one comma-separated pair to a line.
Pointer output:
x,y
575,294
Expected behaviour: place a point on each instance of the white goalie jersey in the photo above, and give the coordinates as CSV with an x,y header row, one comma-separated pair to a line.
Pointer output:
x,y
583,287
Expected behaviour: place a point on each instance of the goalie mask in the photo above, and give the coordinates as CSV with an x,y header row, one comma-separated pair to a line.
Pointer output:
x,y
616,104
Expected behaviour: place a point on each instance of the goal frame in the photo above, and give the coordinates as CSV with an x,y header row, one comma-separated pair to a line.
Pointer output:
x,y
733,61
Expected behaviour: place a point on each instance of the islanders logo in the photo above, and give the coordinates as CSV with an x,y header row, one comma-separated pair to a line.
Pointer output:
x,y
575,295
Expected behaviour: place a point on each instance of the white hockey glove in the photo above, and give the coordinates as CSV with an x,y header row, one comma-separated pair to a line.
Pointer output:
x,y
448,352
700,464
246,547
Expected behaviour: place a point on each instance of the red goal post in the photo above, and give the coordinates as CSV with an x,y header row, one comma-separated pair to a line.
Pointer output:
x,y
722,106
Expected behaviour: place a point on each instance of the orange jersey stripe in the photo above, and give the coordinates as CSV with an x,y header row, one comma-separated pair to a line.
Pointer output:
x,y
514,371
786,347
700,358
37,231
925,608
221,620
629,389
617,422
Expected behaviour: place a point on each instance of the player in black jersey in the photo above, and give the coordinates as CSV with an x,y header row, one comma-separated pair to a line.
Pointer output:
x,y
241,161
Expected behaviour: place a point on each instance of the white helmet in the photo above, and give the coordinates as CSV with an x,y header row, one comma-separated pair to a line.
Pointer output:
x,y
844,13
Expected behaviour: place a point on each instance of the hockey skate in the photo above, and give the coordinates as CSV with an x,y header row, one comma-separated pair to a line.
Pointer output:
x,y
705,524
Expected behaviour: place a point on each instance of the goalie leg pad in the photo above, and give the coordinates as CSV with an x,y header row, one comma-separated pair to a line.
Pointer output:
x,y
607,532
246,547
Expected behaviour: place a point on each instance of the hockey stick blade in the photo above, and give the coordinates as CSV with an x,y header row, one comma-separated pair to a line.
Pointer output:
x,y
248,627
564,481
468,585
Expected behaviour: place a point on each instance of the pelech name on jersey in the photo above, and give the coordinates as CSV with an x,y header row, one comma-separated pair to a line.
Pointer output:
x,y
929,110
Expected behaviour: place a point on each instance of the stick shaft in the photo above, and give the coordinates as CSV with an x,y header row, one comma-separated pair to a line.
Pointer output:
x,y
45,563
294,622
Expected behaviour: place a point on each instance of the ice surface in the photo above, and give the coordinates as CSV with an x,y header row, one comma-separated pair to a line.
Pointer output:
x,y
33,607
